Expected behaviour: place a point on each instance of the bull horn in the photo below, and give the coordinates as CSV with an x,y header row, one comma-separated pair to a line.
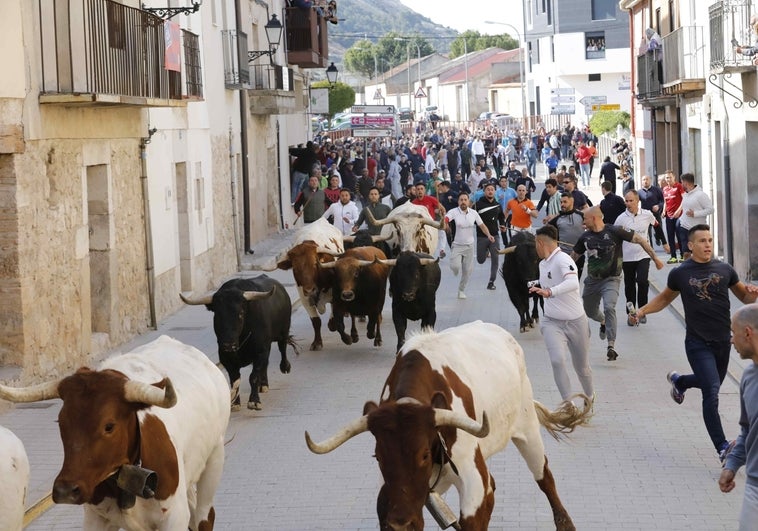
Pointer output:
x,y
272,266
326,265
435,224
33,393
391,262
408,400
348,239
356,427
376,222
445,417
149,394
363,263
428,261
205,299
324,250
257,295
507,250
376,239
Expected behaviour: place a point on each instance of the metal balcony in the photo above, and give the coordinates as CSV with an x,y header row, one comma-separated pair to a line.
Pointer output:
x,y
306,38
684,62
101,52
730,19
272,90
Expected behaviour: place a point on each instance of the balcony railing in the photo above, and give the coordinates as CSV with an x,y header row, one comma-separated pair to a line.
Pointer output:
x,y
306,38
271,77
684,61
101,51
649,75
236,69
730,19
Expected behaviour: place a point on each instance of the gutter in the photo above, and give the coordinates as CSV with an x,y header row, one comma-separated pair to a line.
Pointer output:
x,y
149,258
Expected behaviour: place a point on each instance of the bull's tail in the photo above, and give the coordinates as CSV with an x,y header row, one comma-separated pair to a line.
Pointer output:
x,y
566,418
291,342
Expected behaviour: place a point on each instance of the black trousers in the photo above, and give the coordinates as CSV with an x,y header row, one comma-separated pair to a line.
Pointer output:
x,y
636,284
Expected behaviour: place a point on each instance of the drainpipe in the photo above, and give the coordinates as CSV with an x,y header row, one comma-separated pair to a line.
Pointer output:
x,y
233,184
243,147
279,173
727,185
150,259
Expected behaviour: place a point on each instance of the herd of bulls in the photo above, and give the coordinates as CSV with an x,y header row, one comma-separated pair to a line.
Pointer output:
x,y
149,452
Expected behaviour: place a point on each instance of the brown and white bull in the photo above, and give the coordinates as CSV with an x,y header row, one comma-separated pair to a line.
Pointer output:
x,y
409,227
314,243
14,481
452,400
163,407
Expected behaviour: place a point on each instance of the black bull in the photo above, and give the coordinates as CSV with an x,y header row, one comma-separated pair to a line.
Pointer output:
x,y
520,265
248,315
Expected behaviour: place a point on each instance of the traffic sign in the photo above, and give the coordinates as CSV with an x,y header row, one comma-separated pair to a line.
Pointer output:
x,y
373,109
611,107
561,91
588,101
378,94
420,93
562,109
562,100
381,121
372,132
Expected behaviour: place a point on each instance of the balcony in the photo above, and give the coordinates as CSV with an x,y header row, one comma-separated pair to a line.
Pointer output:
x,y
306,38
684,62
100,52
272,90
236,69
730,19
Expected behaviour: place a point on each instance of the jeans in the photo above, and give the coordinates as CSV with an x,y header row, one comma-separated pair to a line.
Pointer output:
x,y
636,284
749,512
531,164
298,181
682,235
607,291
584,170
709,361
673,238
482,246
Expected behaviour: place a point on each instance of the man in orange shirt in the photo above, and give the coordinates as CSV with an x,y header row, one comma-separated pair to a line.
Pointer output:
x,y
521,210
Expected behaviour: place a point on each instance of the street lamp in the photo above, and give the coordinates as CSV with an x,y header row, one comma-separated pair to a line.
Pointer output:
x,y
168,12
273,35
408,41
331,75
522,57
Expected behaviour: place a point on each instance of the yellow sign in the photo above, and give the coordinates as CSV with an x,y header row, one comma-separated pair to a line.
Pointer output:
x,y
607,107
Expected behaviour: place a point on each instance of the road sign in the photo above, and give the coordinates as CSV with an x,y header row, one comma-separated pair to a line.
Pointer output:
x,y
611,107
420,93
373,109
562,109
588,101
373,132
381,121
561,91
378,94
562,100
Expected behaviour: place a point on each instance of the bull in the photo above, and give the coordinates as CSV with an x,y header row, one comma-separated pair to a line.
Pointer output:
x,y
360,287
414,281
14,469
452,400
409,227
248,315
162,410
521,265
314,244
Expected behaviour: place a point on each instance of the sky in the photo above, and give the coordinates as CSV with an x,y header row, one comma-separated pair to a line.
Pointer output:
x,y
462,15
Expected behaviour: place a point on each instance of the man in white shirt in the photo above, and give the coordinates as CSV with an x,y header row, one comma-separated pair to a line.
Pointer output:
x,y
477,149
462,254
476,177
344,212
695,208
564,326
636,263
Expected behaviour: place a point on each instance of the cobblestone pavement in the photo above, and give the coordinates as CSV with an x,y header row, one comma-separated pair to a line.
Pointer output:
x,y
643,463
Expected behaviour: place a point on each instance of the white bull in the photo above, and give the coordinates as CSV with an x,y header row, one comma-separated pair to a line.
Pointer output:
x,y
409,227
14,481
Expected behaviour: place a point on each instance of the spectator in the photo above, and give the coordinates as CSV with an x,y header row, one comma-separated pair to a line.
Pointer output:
x,y
695,208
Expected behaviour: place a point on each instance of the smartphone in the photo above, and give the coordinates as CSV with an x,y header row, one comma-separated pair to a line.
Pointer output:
x,y
734,42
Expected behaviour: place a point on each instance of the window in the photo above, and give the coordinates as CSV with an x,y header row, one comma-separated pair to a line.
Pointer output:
x,y
552,49
604,9
593,77
594,43
550,12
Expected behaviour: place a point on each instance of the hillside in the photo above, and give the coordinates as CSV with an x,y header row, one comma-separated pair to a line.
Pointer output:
x,y
372,19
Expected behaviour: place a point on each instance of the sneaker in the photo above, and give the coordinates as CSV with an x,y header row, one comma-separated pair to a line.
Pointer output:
x,y
461,295
673,260
726,449
612,354
680,260
676,395
602,331
491,285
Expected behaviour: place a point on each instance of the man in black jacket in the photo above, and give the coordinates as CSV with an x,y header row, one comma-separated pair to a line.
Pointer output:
x,y
612,205
492,217
306,158
651,198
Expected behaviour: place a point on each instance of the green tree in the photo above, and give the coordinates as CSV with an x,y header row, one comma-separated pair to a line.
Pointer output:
x,y
341,96
359,58
476,41
607,121
395,48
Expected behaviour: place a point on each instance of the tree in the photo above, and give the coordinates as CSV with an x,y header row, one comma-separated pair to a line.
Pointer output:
x,y
361,58
391,50
476,41
341,96
607,121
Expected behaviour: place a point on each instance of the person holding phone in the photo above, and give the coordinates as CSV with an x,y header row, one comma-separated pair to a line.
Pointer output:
x,y
749,51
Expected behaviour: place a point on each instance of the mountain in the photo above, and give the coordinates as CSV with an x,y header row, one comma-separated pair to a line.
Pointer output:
x,y
372,19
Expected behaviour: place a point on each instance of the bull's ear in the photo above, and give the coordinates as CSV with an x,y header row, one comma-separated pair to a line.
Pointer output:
x,y
368,407
439,401
284,264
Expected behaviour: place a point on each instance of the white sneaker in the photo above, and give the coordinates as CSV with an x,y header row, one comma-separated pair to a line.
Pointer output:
x,y
461,295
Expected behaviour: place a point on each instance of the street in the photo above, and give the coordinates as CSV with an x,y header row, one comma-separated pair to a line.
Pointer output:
x,y
643,462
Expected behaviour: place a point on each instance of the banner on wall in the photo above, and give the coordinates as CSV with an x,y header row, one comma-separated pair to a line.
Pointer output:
x,y
173,50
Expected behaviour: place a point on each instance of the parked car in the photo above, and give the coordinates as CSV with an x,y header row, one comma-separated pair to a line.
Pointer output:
x,y
405,114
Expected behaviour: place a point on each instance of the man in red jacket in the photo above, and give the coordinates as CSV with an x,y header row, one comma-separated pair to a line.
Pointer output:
x,y
583,156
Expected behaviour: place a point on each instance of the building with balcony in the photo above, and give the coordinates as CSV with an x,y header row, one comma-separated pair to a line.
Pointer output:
x,y
696,109
140,155
577,57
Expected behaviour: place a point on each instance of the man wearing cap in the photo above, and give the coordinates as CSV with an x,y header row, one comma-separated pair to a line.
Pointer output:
x,y
493,218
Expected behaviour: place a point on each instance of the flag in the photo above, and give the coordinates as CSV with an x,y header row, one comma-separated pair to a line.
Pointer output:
x,y
173,51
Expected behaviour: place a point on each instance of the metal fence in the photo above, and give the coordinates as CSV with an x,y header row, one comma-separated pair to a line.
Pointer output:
x,y
729,20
